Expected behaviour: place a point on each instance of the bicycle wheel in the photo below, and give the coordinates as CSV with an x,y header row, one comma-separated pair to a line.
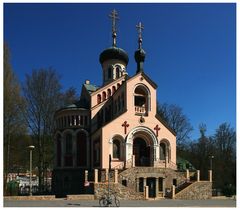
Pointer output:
x,y
103,202
117,202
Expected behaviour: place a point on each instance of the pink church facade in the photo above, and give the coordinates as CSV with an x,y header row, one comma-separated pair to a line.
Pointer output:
x,y
115,126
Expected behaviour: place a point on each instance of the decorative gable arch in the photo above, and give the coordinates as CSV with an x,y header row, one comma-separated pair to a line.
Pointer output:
x,y
148,135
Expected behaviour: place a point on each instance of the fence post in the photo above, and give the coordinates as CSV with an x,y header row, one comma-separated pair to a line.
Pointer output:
x,y
187,174
106,174
210,175
198,175
146,192
115,176
86,175
95,175
173,191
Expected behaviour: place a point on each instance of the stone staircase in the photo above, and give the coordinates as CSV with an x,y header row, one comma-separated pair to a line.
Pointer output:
x,y
125,188
197,190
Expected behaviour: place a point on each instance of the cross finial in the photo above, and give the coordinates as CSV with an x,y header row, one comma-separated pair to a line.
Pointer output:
x,y
114,16
140,28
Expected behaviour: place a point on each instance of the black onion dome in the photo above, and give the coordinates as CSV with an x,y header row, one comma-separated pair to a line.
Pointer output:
x,y
113,53
140,55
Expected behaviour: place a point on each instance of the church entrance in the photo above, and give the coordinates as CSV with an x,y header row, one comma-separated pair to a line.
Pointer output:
x,y
151,183
142,152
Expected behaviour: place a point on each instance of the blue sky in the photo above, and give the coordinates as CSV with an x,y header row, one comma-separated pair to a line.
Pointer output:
x,y
191,49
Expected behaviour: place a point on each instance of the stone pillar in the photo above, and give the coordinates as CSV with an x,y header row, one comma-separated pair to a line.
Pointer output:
x,y
133,161
173,191
86,176
198,175
210,175
115,176
137,184
187,175
106,174
146,192
163,186
95,175
144,181
157,186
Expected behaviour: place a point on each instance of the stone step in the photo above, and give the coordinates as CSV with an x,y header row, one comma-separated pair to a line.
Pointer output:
x,y
80,197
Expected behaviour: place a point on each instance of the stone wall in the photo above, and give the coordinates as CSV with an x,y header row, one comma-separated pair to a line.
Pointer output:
x,y
122,192
168,174
196,191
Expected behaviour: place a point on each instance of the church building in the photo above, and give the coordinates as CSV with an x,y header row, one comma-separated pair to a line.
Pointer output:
x,y
115,127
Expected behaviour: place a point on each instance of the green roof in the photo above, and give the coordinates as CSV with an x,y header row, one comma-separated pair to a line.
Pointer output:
x,y
91,88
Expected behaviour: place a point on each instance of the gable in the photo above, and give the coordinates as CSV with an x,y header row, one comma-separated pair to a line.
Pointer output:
x,y
147,78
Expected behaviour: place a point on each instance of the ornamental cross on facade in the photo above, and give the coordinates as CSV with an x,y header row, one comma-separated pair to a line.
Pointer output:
x,y
125,125
157,129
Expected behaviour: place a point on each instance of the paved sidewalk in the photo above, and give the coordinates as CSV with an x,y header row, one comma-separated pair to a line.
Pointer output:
x,y
123,203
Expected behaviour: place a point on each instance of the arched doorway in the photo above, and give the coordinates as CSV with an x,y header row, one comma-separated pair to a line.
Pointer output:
x,y
141,151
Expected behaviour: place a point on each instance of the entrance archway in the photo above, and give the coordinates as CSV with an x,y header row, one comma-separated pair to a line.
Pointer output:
x,y
141,151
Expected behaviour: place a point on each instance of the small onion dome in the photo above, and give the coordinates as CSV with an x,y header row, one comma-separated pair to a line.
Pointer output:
x,y
140,55
113,53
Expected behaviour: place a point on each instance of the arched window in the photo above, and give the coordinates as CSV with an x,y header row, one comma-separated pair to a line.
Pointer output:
x,y
81,149
113,89
162,151
116,149
117,72
108,93
98,99
141,100
104,96
68,150
59,151
68,143
118,85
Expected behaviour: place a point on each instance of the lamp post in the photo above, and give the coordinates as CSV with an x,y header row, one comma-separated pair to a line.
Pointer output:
x,y
31,148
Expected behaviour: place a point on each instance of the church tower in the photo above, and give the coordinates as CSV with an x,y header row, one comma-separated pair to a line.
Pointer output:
x,y
114,60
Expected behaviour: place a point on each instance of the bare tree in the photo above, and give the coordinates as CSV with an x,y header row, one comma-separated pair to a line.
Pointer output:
x,y
69,97
14,124
42,95
175,119
224,165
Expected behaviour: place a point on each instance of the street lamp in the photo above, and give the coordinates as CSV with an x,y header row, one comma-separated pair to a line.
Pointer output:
x,y
211,158
31,148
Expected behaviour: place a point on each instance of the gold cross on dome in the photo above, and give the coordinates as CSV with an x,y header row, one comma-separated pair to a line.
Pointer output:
x,y
114,16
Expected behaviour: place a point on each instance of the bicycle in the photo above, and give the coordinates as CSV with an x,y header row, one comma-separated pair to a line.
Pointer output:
x,y
107,200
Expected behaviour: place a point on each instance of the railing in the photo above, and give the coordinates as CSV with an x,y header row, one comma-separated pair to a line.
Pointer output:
x,y
124,164
182,185
164,164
